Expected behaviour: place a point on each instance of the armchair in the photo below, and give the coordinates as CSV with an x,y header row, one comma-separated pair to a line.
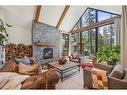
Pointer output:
x,y
113,83
75,58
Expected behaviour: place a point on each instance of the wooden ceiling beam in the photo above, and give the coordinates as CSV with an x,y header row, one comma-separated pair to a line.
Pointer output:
x,y
99,24
62,16
37,13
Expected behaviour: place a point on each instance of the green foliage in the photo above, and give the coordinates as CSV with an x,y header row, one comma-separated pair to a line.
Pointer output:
x,y
111,54
105,36
3,32
90,19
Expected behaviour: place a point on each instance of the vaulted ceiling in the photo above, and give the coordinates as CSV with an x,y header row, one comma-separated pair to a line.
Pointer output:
x,y
22,16
51,14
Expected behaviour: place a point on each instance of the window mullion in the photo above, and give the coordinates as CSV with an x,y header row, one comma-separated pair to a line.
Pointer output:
x,y
81,48
96,32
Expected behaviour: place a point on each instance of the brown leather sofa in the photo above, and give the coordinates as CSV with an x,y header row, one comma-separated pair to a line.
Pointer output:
x,y
46,80
113,83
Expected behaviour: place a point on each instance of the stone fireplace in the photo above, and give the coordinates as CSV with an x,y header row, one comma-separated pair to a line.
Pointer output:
x,y
47,53
46,39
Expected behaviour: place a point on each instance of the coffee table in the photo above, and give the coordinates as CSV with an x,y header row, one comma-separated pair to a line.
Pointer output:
x,y
71,67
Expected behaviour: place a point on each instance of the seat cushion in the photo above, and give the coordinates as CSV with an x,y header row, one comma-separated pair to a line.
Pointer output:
x,y
118,72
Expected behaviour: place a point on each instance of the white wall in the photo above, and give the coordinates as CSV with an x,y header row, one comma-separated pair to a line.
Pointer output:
x,y
20,17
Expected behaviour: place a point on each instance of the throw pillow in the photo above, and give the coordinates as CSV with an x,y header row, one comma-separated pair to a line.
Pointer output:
x,y
25,60
28,70
118,72
75,56
87,65
17,60
9,66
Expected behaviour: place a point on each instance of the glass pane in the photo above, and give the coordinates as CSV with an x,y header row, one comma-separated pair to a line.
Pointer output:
x,y
103,16
75,43
88,41
77,25
106,36
88,18
65,44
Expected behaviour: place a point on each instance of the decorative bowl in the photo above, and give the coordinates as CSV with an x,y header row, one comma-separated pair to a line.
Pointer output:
x,y
62,61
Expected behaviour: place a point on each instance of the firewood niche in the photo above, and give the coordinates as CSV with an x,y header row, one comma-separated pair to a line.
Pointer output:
x,y
45,43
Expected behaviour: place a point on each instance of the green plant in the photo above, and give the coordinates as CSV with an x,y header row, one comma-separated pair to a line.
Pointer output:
x,y
3,31
109,54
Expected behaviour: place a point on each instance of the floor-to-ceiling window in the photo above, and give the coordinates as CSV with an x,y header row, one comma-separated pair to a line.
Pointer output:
x,y
75,43
88,41
106,36
65,44
93,39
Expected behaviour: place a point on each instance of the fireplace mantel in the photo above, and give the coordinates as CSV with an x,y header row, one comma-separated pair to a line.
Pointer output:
x,y
45,43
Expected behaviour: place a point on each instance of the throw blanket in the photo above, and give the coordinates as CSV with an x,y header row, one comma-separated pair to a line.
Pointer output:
x,y
10,80
99,79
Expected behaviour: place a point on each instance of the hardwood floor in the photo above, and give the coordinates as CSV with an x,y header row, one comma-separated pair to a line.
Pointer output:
x,y
73,82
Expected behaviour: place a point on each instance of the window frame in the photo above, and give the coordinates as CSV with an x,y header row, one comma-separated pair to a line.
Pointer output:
x,y
96,28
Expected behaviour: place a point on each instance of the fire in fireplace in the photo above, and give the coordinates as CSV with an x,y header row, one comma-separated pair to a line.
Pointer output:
x,y
47,53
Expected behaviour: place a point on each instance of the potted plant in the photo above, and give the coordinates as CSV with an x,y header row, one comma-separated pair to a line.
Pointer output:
x,y
3,31
111,55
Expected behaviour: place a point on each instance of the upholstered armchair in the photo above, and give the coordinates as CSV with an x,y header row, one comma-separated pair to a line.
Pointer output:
x,y
75,58
113,83
87,78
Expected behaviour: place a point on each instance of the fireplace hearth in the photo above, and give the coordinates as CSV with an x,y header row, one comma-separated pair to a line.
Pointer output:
x,y
47,53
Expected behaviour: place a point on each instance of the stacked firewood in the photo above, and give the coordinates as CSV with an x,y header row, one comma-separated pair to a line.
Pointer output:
x,y
17,51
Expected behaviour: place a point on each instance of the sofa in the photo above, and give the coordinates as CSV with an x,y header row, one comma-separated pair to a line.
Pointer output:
x,y
45,80
113,82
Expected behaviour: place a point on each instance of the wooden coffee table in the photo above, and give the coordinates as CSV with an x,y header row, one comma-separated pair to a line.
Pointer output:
x,y
71,67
